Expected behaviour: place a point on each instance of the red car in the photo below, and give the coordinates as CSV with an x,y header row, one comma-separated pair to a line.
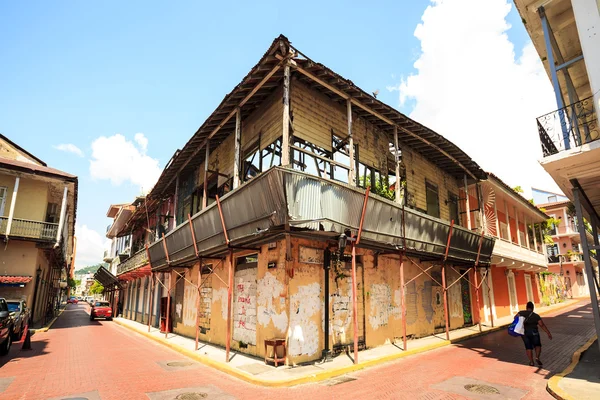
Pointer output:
x,y
72,300
101,309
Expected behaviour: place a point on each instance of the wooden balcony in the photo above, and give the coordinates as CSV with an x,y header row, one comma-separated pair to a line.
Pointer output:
x,y
27,229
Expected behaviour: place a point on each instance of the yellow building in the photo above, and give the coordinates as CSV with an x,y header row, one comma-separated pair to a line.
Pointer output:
x,y
37,224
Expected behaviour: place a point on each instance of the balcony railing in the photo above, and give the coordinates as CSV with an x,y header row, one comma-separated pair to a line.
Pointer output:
x,y
568,127
137,260
24,228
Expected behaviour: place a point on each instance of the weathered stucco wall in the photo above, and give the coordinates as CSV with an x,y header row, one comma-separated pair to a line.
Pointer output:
x,y
32,198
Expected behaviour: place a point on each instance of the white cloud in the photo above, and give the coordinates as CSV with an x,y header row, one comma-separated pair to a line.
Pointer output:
x,y
119,160
471,88
90,246
69,148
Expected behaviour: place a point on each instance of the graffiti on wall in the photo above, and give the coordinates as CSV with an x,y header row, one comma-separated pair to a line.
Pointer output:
x,y
244,305
190,297
304,332
341,316
269,291
382,308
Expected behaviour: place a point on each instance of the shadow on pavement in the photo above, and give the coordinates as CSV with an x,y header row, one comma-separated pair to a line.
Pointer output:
x,y
75,315
570,330
38,348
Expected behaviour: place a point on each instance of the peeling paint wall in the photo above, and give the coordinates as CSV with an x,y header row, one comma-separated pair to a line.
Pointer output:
x,y
244,304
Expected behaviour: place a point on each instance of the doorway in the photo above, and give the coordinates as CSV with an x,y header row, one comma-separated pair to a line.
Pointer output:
x,y
529,288
465,292
512,292
487,292
244,301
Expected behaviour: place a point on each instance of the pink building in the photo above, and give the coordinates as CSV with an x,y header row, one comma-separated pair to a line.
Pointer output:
x,y
565,255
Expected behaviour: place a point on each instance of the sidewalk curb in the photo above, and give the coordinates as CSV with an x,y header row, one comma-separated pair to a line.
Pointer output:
x,y
552,386
320,376
47,327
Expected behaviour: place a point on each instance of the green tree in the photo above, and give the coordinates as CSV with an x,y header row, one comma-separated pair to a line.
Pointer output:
x,y
73,283
96,288
90,269
381,187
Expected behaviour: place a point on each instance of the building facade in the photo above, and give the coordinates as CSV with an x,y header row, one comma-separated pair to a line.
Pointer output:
x,y
305,209
566,35
37,222
565,255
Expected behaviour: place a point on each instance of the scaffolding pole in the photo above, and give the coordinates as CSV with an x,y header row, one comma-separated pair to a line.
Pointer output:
x,y
229,295
444,288
403,300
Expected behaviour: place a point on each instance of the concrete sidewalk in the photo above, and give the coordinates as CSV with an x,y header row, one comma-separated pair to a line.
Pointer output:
x,y
581,380
254,370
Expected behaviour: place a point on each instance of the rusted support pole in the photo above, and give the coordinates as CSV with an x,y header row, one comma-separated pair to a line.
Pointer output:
x,y
168,304
477,297
229,295
467,203
403,300
222,219
165,248
354,304
151,299
362,215
445,301
198,305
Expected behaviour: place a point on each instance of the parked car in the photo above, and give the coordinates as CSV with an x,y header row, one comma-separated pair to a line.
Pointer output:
x,y
6,327
101,309
90,300
72,300
20,314
79,298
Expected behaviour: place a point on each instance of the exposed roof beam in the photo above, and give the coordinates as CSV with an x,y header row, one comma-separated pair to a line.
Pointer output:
x,y
377,114
229,116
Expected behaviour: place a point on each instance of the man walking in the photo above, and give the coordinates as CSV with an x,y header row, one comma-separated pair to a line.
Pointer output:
x,y
531,338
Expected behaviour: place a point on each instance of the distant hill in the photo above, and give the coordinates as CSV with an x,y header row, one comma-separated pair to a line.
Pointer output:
x,y
90,269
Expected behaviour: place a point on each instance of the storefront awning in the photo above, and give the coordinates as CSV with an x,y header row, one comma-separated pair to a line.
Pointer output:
x,y
107,279
13,279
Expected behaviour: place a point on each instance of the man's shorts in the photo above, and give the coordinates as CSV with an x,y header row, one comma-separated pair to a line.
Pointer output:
x,y
531,340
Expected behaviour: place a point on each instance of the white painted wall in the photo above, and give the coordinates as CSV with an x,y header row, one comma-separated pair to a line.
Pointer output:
x,y
587,18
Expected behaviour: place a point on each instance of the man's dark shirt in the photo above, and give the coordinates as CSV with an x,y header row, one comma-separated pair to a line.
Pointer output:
x,y
531,322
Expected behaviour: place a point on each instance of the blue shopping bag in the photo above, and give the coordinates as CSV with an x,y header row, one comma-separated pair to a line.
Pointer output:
x,y
512,326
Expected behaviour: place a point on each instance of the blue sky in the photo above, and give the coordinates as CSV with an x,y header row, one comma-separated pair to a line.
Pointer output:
x,y
74,71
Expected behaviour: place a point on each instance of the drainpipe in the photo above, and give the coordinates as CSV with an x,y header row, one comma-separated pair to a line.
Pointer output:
x,y
326,267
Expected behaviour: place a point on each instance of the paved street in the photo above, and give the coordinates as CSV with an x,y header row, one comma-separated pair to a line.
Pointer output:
x,y
78,358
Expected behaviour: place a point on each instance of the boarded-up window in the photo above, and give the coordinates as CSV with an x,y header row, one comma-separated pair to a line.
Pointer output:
x,y
433,200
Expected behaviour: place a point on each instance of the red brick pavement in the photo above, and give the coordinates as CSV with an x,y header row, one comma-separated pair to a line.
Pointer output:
x,y
78,356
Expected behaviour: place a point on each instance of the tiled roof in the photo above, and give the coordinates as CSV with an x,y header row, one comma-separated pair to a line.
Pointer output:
x,y
35,169
12,279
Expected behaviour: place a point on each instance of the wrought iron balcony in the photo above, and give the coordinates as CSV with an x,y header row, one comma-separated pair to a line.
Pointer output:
x,y
137,260
24,228
568,127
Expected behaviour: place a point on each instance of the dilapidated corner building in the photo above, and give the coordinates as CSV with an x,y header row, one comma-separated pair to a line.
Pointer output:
x,y
247,222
